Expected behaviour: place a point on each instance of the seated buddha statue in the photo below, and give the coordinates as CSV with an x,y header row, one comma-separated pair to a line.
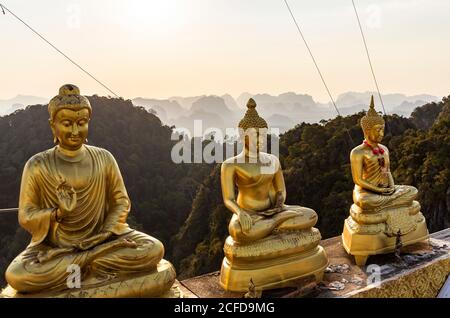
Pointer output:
x,y
74,203
382,211
270,243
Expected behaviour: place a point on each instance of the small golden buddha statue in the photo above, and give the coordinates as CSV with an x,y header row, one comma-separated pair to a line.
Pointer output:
x,y
270,243
74,203
381,210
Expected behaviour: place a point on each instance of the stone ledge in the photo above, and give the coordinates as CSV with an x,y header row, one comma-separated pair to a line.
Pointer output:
x,y
424,269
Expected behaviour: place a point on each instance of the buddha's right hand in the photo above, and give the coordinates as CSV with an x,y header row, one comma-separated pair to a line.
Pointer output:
x,y
67,199
93,241
125,242
388,191
245,220
116,244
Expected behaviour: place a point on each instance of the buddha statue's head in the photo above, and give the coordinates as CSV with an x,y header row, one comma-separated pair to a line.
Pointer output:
x,y
253,128
69,117
373,124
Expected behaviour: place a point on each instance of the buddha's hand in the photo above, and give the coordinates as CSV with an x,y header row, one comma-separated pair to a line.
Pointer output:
x,y
93,241
67,199
116,244
245,220
45,256
125,242
388,191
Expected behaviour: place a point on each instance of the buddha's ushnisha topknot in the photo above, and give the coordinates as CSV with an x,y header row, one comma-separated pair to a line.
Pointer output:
x,y
251,118
68,98
372,118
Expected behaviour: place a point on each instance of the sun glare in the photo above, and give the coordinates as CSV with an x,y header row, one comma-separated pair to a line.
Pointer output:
x,y
152,13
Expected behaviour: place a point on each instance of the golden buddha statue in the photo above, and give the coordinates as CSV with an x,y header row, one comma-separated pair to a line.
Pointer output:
x,y
382,211
74,203
270,243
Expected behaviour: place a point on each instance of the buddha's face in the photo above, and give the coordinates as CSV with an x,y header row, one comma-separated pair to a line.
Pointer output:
x,y
376,134
70,127
255,139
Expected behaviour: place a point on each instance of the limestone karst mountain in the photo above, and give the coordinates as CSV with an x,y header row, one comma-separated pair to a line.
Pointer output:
x,y
166,110
231,103
399,104
282,111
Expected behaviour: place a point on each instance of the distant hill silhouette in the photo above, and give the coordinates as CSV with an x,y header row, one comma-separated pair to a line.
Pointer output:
x,y
224,111
166,110
9,106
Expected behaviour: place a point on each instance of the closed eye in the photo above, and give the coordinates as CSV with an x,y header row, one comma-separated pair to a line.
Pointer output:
x,y
66,123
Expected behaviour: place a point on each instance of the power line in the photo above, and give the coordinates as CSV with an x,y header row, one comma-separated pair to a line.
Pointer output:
x,y
58,50
316,65
312,57
368,57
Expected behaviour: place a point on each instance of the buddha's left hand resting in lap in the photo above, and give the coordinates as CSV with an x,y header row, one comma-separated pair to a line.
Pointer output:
x,y
74,203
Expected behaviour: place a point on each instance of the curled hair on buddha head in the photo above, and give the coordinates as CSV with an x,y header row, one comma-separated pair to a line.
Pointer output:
x,y
68,98
371,119
251,118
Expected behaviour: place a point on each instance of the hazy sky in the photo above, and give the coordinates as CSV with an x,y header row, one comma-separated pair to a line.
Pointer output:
x,y
161,48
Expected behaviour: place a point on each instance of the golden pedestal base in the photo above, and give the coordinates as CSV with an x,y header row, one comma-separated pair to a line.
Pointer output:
x,y
154,284
363,245
275,273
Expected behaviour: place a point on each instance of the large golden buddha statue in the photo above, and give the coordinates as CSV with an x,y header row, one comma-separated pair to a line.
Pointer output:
x,y
270,243
382,211
74,203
